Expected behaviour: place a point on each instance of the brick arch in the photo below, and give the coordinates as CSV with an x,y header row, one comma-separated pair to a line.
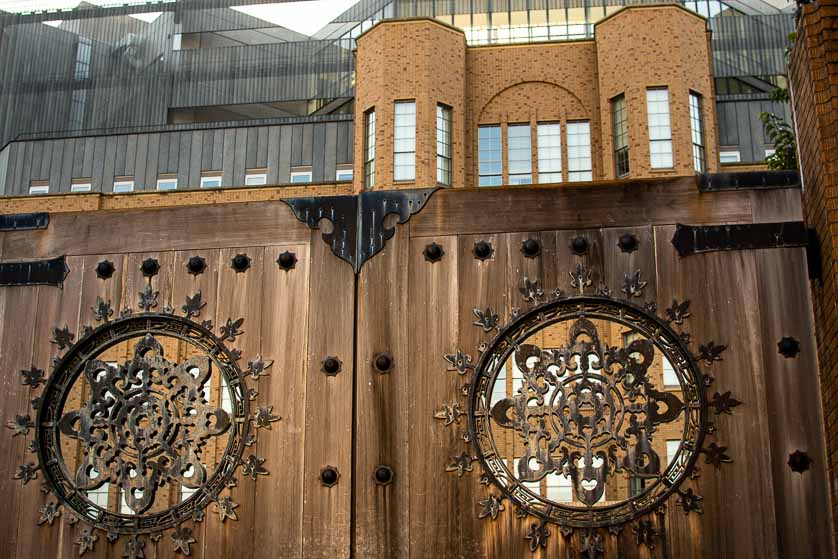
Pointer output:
x,y
519,99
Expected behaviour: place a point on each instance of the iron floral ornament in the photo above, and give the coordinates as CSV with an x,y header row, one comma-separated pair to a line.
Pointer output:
x,y
146,426
581,435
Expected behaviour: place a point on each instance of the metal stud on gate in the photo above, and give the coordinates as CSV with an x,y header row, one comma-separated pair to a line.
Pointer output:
x,y
433,252
799,461
240,263
579,245
383,475
383,362
331,365
483,250
531,248
329,476
104,269
628,243
150,267
788,347
196,265
287,260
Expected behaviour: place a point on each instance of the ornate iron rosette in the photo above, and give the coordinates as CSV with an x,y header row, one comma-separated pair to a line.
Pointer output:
x,y
141,407
587,412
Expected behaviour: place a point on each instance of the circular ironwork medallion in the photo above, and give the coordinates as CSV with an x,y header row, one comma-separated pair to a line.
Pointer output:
x,y
586,411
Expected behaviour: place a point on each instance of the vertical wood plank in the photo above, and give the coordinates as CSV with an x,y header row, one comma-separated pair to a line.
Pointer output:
x,y
329,406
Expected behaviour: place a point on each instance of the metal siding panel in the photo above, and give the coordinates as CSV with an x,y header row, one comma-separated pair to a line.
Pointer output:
x,y
206,149
110,164
26,172
252,141
342,141
296,145
308,140
67,165
273,155
130,155
240,156
746,140
286,142
4,165
119,162
184,158
262,147
152,162
96,177
331,152
55,165
89,152
229,157
141,163
79,144
42,159
195,157
17,185
174,152
163,153
218,150
318,156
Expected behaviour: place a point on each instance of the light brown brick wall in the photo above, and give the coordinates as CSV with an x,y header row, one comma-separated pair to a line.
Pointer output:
x,y
655,46
403,60
546,82
813,71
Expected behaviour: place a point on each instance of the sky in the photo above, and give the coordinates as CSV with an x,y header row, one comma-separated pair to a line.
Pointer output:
x,y
303,17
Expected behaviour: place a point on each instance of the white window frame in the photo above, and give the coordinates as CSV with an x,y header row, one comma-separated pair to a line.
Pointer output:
x,y
668,374
164,181
660,128
39,189
208,178
485,164
514,154
578,142
344,170
404,140
255,179
81,187
123,186
549,151
733,154
369,148
301,173
697,132
444,116
770,151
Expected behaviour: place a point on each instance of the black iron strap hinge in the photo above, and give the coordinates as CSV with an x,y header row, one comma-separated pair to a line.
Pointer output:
x,y
35,272
694,239
358,230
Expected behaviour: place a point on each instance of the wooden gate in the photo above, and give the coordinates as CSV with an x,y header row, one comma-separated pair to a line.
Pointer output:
x,y
365,457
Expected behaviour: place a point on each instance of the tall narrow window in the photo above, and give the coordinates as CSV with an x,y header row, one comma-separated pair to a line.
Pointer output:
x,y
489,162
443,145
549,143
579,151
369,148
404,141
660,131
83,51
519,153
620,133
699,160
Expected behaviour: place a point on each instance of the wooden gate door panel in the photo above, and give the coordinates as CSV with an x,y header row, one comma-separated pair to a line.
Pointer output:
x,y
754,506
294,318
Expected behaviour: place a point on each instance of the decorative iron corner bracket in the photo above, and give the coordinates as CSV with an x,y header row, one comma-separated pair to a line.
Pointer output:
x,y
35,272
23,222
358,220
693,239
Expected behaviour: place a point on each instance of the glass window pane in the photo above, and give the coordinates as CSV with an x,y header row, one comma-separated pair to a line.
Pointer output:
x,y
489,161
660,131
579,164
519,153
549,146
404,141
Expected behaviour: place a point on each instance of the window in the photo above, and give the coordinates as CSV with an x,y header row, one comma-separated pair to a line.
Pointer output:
x,y
83,51
699,159
81,185
729,157
489,162
672,446
39,187
255,178
549,143
343,173
404,141
443,145
369,148
300,175
123,504
211,181
670,379
559,487
122,185
99,496
579,166
519,153
620,134
770,152
660,131
167,183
